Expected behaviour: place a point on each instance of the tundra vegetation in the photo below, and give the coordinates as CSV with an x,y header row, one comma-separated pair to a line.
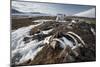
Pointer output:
x,y
52,40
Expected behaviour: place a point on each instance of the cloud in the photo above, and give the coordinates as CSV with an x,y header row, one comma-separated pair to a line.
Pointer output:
x,y
24,6
87,13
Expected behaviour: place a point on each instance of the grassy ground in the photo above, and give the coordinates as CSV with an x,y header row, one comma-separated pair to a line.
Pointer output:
x,y
51,56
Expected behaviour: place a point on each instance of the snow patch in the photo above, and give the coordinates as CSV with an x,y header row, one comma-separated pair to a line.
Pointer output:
x,y
42,20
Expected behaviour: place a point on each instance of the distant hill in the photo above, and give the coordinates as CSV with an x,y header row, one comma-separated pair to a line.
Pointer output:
x,y
15,11
18,13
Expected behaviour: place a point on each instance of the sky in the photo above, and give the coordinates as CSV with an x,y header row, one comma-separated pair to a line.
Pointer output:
x,y
49,8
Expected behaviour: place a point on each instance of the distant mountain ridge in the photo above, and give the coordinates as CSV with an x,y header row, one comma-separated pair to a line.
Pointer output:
x,y
15,11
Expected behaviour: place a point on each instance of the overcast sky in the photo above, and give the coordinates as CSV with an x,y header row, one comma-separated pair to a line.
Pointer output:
x,y
49,8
